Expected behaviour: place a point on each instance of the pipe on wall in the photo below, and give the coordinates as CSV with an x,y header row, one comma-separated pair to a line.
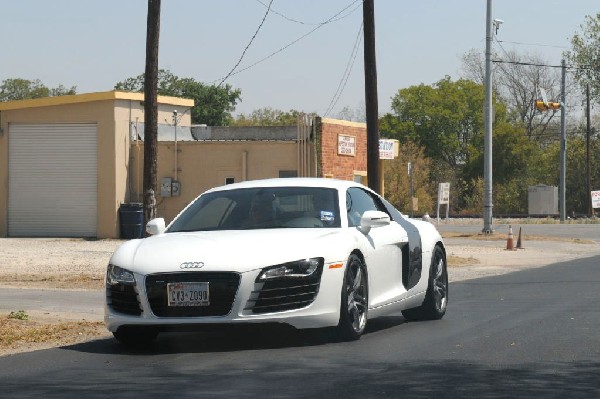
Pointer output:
x,y
244,165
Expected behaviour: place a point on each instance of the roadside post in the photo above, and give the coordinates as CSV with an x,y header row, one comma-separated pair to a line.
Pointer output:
x,y
443,199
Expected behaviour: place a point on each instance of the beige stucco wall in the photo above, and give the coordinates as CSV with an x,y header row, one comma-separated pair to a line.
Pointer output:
x,y
206,164
112,112
100,113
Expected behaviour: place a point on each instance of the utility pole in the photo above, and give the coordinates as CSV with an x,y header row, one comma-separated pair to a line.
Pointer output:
x,y
563,144
373,171
587,152
487,155
412,192
151,108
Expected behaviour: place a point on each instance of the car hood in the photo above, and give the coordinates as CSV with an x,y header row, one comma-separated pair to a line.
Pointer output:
x,y
239,250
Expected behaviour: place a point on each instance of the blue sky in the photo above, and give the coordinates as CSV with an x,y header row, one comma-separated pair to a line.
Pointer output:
x,y
94,44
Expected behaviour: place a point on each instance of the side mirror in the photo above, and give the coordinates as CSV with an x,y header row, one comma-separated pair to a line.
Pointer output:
x,y
155,226
371,219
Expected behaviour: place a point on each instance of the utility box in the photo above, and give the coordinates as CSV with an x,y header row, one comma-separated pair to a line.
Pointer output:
x,y
165,186
542,200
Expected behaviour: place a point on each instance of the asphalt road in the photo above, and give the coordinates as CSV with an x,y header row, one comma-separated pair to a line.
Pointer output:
x,y
524,334
572,231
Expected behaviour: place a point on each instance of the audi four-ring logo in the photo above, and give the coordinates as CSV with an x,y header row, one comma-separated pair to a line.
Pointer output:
x,y
191,265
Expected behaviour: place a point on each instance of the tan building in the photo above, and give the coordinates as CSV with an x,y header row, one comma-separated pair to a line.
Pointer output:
x,y
64,162
68,164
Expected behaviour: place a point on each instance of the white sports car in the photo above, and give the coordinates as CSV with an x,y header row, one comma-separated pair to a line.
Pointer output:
x,y
308,252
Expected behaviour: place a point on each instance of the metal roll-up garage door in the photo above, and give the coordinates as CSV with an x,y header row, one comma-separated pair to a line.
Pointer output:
x,y
52,180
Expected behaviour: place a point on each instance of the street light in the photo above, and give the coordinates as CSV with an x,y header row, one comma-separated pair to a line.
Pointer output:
x,y
487,155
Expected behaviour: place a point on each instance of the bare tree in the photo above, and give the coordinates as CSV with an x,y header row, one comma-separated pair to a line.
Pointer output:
x,y
151,108
518,79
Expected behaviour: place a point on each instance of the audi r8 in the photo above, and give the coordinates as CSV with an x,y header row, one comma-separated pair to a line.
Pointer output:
x,y
307,252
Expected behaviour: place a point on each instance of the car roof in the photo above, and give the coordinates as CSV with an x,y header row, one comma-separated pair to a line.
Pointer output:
x,y
291,182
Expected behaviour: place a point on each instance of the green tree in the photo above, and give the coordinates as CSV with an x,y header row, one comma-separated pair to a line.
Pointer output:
x,y
446,120
213,104
514,166
442,118
517,81
585,56
24,89
397,180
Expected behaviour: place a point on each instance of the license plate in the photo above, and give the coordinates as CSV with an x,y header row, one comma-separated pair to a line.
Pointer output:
x,y
188,294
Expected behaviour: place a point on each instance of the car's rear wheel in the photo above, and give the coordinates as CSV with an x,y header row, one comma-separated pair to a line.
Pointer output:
x,y
355,295
436,298
135,336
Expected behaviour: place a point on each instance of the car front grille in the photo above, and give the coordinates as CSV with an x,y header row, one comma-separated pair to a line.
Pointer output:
x,y
124,299
223,288
284,294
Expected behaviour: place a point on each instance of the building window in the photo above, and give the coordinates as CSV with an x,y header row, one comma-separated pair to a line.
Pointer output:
x,y
288,173
229,180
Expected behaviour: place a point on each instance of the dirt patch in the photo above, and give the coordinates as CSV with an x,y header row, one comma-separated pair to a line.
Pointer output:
x,y
503,237
78,281
460,261
25,335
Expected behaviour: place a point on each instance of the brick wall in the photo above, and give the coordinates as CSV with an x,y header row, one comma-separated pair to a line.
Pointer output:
x,y
336,165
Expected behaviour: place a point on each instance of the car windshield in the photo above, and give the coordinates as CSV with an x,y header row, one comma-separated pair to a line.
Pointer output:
x,y
261,208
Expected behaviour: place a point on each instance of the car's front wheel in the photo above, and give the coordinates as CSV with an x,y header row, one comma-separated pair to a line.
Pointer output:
x,y
436,298
355,295
135,336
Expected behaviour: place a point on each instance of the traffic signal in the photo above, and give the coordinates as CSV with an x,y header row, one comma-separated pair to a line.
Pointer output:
x,y
554,106
545,106
541,105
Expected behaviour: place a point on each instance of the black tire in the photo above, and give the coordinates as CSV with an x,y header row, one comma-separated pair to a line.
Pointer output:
x,y
136,337
436,299
355,300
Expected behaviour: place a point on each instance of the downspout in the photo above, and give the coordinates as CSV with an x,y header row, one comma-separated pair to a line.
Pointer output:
x,y
244,165
298,146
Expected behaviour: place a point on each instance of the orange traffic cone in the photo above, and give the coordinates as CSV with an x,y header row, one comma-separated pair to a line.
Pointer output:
x,y
509,241
519,243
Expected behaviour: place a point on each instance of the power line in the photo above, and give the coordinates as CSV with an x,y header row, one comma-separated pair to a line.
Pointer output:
x,y
532,44
249,43
332,19
346,74
298,21
576,68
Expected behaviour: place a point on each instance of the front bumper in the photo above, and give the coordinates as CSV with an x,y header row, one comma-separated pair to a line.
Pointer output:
x,y
322,312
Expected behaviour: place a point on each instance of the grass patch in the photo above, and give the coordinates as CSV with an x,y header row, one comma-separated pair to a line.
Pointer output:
x,y
18,315
458,261
21,335
63,280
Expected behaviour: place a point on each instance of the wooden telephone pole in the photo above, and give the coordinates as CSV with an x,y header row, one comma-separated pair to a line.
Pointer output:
x,y
373,171
151,109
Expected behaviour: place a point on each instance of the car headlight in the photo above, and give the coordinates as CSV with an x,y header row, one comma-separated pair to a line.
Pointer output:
x,y
297,269
118,275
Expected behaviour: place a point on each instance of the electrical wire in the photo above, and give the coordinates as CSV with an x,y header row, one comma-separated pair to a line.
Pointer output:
x,y
302,22
248,45
346,74
575,68
332,19
534,44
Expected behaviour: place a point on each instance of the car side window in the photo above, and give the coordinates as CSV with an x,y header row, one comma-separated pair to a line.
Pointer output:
x,y
358,201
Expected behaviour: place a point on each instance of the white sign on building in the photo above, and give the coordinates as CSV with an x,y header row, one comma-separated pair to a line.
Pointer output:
x,y
346,145
386,149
